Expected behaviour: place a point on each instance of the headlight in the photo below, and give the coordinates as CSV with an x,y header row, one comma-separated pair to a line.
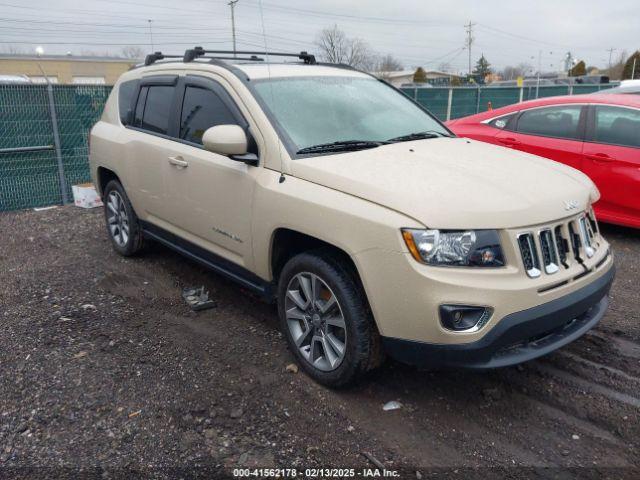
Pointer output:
x,y
468,248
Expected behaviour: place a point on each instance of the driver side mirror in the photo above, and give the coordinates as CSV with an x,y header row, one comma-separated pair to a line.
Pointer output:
x,y
229,140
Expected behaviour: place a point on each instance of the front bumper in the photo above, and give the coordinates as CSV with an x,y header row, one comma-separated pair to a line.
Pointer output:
x,y
518,337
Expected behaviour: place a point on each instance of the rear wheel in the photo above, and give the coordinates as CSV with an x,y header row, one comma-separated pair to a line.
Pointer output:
x,y
123,225
326,319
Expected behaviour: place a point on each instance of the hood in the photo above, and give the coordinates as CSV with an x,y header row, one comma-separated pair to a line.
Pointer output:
x,y
454,183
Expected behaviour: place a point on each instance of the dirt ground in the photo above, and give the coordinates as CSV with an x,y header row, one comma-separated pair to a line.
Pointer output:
x,y
106,373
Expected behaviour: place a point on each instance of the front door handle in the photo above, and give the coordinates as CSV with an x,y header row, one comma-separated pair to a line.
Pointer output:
x,y
178,162
600,157
509,141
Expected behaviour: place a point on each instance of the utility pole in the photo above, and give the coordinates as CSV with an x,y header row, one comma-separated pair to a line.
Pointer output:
x,y
539,68
232,4
470,39
151,35
539,71
611,50
569,61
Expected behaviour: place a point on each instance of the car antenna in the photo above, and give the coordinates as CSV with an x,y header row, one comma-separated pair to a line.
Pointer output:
x,y
273,99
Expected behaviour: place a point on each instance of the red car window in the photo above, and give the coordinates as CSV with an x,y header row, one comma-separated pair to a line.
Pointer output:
x,y
506,122
617,126
559,122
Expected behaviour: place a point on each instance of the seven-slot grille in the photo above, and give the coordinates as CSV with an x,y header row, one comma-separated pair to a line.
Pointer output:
x,y
551,248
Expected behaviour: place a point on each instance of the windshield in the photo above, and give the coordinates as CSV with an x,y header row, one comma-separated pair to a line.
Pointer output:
x,y
319,110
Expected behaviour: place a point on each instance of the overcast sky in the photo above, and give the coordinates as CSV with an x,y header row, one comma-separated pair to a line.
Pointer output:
x,y
418,32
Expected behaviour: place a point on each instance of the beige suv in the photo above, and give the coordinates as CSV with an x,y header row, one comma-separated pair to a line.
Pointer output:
x,y
371,225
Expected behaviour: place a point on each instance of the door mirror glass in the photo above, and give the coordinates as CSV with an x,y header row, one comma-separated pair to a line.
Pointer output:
x,y
225,140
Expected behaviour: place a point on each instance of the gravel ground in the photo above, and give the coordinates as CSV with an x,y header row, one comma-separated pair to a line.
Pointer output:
x,y
106,373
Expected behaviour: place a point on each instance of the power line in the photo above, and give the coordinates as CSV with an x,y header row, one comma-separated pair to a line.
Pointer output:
x,y
521,37
305,19
92,44
333,15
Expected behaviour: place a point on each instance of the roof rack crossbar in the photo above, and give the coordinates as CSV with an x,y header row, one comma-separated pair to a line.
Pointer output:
x,y
155,56
193,53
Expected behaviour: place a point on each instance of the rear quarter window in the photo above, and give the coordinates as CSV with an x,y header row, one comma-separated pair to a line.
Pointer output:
x,y
506,122
126,90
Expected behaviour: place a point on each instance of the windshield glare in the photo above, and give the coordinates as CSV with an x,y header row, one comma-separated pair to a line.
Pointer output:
x,y
318,110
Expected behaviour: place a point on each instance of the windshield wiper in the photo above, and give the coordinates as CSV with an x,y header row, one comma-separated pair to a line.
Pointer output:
x,y
418,136
342,146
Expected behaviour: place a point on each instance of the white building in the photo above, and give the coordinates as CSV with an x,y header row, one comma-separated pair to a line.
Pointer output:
x,y
397,79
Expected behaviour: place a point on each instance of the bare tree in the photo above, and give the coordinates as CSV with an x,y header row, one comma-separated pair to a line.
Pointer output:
x,y
336,47
360,55
13,49
615,72
333,45
525,69
511,73
132,51
388,63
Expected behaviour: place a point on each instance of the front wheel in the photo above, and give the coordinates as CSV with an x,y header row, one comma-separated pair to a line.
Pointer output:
x,y
326,319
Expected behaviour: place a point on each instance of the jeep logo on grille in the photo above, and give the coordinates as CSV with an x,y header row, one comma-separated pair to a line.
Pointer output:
x,y
571,205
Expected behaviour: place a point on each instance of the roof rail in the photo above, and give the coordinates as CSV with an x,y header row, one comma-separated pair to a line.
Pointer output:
x,y
196,52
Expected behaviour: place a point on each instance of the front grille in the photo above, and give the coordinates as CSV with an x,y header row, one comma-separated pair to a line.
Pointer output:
x,y
587,236
561,245
549,253
576,244
529,254
591,216
558,246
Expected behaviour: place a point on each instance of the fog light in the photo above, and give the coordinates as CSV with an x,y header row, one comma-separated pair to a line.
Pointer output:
x,y
464,318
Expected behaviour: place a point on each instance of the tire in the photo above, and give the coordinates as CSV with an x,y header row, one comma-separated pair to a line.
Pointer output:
x,y
318,323
123,226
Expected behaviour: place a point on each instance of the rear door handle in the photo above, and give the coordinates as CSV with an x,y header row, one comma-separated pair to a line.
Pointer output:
x,y
509,141
178,162
600,157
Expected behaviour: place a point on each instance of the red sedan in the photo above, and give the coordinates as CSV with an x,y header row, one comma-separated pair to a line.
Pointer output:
x,y
597,134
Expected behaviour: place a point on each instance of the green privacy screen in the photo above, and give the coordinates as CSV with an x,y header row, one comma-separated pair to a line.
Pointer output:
x,y
78,109
31,178
471,100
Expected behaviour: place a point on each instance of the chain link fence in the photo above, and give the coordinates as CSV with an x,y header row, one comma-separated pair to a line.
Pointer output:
x,y
43,131
448,103
43,141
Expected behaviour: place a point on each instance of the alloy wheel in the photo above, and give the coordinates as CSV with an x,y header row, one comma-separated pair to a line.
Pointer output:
x,y
117,218
316,322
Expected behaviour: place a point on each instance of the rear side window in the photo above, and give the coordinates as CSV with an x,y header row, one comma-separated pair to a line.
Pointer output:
x,y
126,90
503,123
157,108
559,122
202,109
142,97
617,126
